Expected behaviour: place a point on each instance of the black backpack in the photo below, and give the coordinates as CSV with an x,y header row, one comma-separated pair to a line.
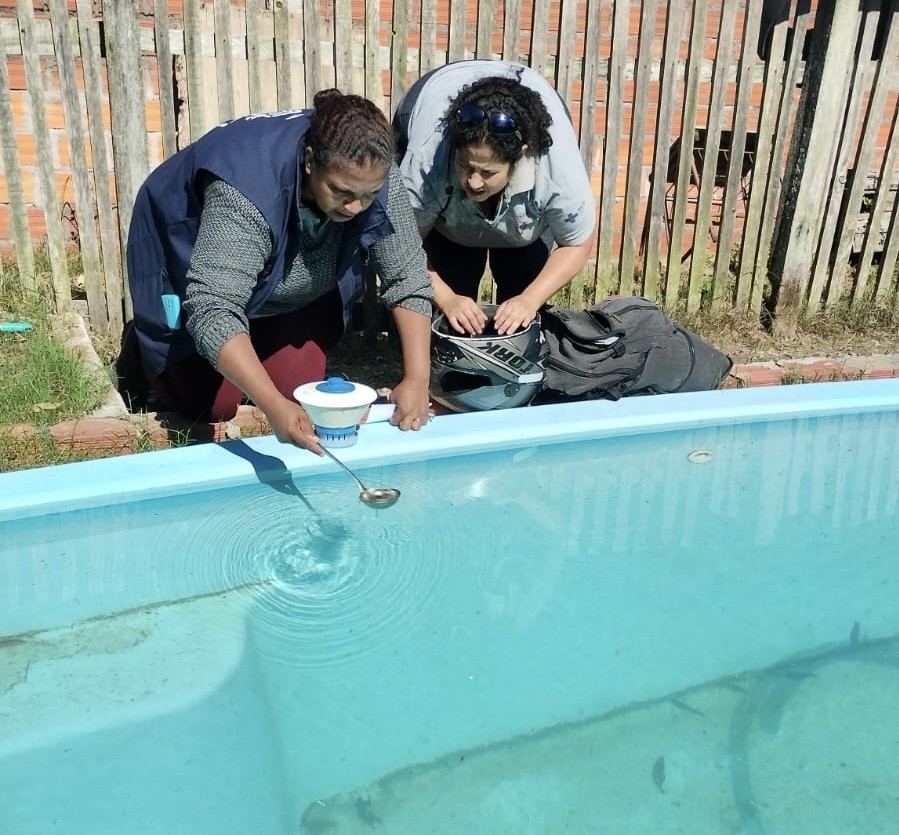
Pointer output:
x,y
624,345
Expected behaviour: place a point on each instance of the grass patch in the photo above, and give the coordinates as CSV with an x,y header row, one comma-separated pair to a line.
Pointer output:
x,y
40,381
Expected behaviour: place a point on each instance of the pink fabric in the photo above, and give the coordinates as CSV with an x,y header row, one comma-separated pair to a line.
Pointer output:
x,y
292,347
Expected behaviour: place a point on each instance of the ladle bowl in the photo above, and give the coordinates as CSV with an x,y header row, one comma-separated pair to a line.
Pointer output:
x,y
378,497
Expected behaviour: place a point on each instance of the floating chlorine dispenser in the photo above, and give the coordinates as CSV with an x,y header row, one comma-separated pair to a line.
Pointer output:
x,y
335,407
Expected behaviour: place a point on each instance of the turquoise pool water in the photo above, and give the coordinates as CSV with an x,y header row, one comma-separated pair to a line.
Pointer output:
x,y
675,614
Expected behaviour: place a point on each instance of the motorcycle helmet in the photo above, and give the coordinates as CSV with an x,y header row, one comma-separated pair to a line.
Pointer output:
x,y
486,371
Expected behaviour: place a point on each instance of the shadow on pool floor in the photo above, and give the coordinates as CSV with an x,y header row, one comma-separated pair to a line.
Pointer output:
x,y
793,748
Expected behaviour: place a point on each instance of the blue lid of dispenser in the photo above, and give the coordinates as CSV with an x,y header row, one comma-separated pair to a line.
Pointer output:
x,y
335,385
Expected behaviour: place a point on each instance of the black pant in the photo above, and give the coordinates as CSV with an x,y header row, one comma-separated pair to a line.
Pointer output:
x,y
462,267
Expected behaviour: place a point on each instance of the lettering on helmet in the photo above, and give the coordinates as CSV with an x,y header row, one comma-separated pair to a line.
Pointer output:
x,y
507,357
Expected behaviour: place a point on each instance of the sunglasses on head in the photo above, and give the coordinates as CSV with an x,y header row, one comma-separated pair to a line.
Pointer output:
x,y
499,123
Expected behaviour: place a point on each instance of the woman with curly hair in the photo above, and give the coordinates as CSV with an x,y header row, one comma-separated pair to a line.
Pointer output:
x,y
260,232
491,162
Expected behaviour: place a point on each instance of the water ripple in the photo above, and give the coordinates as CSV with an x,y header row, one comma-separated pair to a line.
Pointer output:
x,y
319,587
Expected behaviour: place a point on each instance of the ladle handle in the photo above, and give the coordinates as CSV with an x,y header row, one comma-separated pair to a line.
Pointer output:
x,y
343,466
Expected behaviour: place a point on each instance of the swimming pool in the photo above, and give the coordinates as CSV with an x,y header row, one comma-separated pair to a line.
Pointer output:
x,y
664,614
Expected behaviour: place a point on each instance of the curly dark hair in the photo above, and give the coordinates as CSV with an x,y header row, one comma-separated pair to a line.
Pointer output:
x,y
348,129
496,94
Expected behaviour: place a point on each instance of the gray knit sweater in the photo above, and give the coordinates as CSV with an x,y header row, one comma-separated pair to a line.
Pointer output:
x,y
234,243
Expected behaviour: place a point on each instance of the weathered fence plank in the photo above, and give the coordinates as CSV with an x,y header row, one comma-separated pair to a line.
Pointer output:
x,y
344,46
703,230
62,291
749,284
163,74
889,260
589,83
607,273
456,50
512,30
539,35
312,50
283,84
863,163
685,170
129,124
486,10
631,231
725,283
18,214
772,200
427,49
224,59
885,204
111,277
565,63
657,215
812,155
399,52
76,136
373,88
841,174
193,60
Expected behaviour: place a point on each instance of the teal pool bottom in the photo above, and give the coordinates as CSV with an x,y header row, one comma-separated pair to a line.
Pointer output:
x,y
666,614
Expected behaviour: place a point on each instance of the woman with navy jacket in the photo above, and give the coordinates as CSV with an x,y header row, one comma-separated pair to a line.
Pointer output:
x,y
247,249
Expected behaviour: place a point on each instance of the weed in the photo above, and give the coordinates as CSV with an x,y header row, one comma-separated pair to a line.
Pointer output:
x,y
19,451
40,381
792,377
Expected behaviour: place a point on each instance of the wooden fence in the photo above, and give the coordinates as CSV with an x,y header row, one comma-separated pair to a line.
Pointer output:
x,y
743,152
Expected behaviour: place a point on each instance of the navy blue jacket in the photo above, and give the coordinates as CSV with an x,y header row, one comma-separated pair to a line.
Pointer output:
x,y
260,156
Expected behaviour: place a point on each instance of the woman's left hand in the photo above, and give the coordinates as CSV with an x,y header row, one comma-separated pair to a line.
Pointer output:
x,y
412,405
514,314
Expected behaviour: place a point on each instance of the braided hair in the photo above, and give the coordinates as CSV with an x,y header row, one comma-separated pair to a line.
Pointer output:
x,y
497,94
348,130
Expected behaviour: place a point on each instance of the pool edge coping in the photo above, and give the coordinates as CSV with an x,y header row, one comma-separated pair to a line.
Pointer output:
x,y
179,470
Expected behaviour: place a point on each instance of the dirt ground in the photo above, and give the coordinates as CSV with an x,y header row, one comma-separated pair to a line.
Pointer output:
x,y
739,335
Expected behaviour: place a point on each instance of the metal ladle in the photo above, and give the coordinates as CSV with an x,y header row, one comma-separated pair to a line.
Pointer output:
x,y
372,496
